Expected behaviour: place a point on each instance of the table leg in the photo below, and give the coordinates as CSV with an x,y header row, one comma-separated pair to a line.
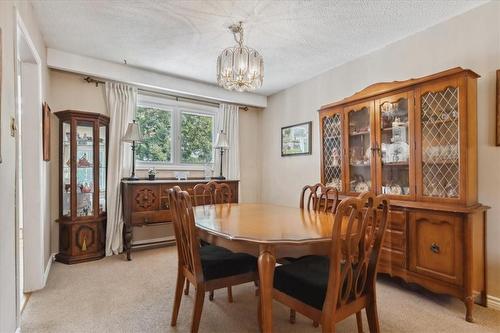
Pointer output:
x,y
266,262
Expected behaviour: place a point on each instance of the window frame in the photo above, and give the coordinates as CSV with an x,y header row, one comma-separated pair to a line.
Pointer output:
x,y
177,108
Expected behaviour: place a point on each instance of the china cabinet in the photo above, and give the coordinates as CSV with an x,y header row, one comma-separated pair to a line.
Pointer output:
x,y
83,142
416,141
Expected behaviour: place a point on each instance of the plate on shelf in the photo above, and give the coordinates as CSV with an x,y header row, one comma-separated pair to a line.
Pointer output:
x,y
361,187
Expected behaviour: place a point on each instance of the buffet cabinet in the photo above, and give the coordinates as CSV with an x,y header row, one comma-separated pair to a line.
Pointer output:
x,y
83,150
145,202
416,142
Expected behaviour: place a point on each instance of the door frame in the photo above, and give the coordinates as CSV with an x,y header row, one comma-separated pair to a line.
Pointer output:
x,y
33,230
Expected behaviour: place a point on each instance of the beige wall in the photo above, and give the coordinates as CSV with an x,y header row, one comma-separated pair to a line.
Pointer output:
x,y
70,91
471,40
7,167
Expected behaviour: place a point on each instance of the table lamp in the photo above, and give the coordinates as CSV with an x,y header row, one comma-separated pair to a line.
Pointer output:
x,y
133,135
222,144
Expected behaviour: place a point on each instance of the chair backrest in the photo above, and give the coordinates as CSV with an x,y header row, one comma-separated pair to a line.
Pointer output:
x,y
319,197
212,193
358,230
188,244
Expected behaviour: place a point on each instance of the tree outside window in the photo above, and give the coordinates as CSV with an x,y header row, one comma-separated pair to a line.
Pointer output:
x,y
175,136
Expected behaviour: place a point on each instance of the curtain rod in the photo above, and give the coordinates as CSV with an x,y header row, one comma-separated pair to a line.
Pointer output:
x,y
89,79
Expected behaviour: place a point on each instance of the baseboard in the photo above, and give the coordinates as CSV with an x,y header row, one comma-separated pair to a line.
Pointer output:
x,y
493,302
153,241
47,269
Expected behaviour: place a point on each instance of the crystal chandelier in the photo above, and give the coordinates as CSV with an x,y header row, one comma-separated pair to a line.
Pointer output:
x,y
240,67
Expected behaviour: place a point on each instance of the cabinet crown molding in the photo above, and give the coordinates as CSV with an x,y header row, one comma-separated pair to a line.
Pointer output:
x,y
385,87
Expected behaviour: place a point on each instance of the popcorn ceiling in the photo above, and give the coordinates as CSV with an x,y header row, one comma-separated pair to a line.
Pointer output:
x,y
298,39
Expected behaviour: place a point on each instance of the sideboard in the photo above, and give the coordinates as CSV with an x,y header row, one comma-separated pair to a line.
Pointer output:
x,y
145,202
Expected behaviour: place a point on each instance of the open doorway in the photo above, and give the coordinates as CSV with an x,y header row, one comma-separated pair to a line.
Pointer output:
x,y
30,182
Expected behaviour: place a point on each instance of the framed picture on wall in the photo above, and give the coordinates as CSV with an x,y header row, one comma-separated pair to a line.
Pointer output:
x,y
46,131
0,95
296,139
498,109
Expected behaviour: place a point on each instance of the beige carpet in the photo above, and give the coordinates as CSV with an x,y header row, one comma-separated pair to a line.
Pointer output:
x,y
112,295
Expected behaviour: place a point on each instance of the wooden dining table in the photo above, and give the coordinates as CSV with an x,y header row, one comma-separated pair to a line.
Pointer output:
x,y
269,232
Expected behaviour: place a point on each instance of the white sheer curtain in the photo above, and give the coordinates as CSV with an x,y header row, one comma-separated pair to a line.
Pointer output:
x,y
121,101
229,123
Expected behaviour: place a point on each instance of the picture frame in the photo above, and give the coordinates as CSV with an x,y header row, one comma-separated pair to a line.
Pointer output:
x,y
0,95
498,109
296,139
46,131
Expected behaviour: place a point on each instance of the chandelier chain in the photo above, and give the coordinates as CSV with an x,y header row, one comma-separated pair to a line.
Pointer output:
x,y
237,29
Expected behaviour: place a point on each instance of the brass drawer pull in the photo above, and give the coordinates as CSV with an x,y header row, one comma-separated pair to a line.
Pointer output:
x,y
435,248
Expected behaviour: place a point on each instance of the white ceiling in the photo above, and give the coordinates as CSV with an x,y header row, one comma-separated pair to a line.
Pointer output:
x,y
298,39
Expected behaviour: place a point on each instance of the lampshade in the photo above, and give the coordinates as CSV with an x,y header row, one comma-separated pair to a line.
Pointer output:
x,y
221,141
133,133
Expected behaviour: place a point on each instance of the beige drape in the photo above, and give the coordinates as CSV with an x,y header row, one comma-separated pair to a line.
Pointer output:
x,y
121,101
229,122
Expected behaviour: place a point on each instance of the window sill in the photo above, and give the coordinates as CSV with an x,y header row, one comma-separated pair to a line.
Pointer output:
x,y
162,167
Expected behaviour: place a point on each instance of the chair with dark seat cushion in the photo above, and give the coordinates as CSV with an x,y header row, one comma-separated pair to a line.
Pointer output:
x,y
206,267
218,262
211,193
306,279
329,289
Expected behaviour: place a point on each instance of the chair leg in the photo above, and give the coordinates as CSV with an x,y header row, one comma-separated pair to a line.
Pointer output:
x,y
256,287
359,321
198,307
292,316
177,298
211,296
186,291
372,316
230,294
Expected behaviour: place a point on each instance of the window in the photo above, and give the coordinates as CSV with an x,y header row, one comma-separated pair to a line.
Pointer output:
x,y
175,133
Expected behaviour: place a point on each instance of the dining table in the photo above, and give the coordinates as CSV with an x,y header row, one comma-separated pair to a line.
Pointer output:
x,y
269,232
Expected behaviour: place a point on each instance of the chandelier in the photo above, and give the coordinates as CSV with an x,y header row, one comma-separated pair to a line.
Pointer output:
x,y
240,67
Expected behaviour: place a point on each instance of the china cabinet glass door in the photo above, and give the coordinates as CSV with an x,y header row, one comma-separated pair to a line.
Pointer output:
x,y
84,168
332,126
440,141
66,169
394,163
359,139
102,168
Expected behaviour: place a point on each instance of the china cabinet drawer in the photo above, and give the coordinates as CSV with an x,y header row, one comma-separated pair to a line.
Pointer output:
x,y
397,221
392,257
394,240
140,218
436,241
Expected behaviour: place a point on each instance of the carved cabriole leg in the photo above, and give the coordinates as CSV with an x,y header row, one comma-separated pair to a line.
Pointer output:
x,y
230,294
178,296
266,262
127,239
211,296
469,304
292,316
186,291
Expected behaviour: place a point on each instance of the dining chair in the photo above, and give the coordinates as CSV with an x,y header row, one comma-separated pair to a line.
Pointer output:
x,y
212,193
319,197
328,289
206,267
